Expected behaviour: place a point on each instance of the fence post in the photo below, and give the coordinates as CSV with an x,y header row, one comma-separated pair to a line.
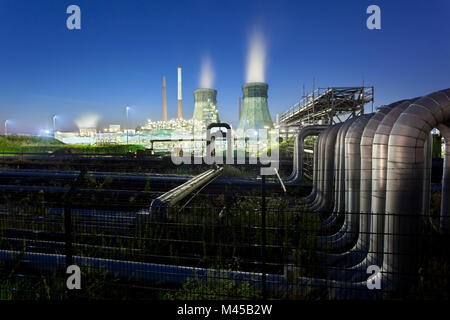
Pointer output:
x,y
263,236
68,216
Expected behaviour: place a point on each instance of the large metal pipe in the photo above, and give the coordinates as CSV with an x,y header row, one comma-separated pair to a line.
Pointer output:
x,y
297,170
326,195
378,174
404,183
360,250
324,176
308,199
404,199
317,179
428,164
349,231
140,271
339,178
445,196
161,204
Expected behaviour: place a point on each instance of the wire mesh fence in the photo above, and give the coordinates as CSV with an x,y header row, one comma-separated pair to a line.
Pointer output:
x,y
227,242
202,251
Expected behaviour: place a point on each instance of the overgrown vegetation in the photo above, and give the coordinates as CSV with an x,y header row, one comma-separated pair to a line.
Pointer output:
x,y
33,144
214,287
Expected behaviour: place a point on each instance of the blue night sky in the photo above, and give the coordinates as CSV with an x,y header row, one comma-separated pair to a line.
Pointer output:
x,y
125,47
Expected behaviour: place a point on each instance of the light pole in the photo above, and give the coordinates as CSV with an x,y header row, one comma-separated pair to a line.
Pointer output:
x,y
6,128
126,128
54,124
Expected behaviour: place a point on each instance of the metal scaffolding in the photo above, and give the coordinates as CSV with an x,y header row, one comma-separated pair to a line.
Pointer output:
x,y
328,106
322,106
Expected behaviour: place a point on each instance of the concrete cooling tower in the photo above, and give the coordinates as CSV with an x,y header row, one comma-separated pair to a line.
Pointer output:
x,y
205,105
255,113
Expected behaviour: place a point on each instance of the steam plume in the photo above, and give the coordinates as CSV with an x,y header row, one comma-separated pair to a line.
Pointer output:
x,y
87,120
256,58
207,73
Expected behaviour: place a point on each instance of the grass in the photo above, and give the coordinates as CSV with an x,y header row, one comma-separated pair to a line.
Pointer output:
x,y
295,234
214,287
238,172
33,144
198,233
28,141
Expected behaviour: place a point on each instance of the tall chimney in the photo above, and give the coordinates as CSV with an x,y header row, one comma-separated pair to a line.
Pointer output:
x,y
180,107
240,110
164,100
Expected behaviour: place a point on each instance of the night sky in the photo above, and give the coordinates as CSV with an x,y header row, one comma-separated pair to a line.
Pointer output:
x,y
124,48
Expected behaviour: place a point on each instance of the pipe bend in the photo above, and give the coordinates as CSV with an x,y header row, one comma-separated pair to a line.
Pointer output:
x,y
405,172
325,201
297,170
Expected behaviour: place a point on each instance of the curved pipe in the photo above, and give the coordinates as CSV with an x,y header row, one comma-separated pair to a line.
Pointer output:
x,y
316,164
444,227
297,170
339,178
377,197
313,193
405,176
358,253
404,182
314,196
349,231
426,192
326,196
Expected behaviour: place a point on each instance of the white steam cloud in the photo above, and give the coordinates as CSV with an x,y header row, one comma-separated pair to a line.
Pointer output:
x,y
87,120
207,73
256,58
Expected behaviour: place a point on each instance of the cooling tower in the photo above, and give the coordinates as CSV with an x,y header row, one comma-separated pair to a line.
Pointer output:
x,y
255,112
205,105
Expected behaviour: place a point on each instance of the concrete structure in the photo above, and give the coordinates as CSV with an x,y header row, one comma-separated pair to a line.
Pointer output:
x,y
205,106
255,114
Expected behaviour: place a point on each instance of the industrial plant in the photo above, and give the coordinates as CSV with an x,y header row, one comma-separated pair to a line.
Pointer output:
x,y
157,187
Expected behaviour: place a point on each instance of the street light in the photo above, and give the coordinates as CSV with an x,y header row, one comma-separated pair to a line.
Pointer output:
x,y
54,124
126,128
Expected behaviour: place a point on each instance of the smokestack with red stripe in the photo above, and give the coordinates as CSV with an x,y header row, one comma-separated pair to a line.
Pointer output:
x,y
180,106
240,110
164,100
